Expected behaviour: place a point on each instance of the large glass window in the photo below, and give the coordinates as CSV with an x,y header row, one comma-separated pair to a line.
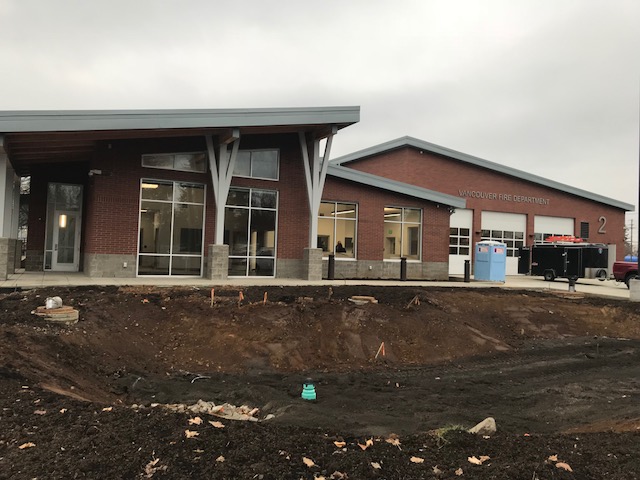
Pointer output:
x,y
171,228
337,229
250,231
257,164
186,162
402,233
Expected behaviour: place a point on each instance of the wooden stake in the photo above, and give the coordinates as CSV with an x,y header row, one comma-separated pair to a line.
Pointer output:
x,y
415,300
264,300
212,296
380,351
240,297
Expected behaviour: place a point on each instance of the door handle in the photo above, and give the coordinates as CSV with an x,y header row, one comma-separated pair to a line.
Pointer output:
x,y
55,247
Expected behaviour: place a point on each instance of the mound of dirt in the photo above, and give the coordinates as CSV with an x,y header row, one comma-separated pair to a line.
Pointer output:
x,y
546,366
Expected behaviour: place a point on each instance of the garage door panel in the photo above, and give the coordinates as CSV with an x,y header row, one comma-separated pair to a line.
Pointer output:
x,y
508,228
460,230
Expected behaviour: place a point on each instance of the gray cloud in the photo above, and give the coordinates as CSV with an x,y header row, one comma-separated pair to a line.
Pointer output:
x,y
550,87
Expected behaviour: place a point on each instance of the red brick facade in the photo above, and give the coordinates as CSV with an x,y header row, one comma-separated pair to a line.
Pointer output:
x,y
371,203
112,196
505,193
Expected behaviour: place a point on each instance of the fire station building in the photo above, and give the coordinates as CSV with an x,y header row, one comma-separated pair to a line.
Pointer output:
x,y
502,203
252,193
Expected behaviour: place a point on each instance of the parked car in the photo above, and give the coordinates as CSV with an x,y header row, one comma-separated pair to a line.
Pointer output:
x,y
625,271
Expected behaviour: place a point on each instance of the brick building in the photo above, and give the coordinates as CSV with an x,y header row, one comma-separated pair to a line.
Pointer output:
x,y
251,192
502,203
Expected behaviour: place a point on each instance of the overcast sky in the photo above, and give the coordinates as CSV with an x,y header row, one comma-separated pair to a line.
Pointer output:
x,y
550,87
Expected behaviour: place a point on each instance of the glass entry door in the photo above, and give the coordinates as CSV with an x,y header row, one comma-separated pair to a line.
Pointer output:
x,y
66,241
62,237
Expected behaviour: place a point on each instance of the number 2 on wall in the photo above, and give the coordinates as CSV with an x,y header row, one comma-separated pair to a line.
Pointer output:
x,y
603,223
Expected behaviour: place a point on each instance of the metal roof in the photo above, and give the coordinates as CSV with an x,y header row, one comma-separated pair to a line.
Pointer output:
x,y
91,120
394,186
31,138
513,172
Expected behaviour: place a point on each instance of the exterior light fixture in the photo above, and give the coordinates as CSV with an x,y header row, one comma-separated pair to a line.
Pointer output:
x,y
62,221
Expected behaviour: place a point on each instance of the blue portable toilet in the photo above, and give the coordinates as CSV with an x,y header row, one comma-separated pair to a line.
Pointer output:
x,y
490,261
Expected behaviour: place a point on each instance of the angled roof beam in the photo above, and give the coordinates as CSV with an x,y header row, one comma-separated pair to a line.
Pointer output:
x,y
315,171
222,161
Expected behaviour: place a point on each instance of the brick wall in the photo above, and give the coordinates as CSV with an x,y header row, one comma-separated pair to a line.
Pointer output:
x,y
450,176
113,196
370,233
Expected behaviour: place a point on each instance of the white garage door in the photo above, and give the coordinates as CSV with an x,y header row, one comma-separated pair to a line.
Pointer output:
x,y
460,228
508,228
545,227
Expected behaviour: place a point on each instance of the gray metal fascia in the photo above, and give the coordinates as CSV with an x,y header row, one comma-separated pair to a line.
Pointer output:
x,y
394,186
86,120
513,172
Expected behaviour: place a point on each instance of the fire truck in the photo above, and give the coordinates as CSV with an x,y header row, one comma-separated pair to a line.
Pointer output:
x,y
565,257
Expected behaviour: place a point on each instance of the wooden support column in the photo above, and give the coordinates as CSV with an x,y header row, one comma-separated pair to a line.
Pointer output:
x,y
315,169
222,160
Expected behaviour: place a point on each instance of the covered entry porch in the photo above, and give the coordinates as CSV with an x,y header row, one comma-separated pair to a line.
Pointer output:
x,y
147,193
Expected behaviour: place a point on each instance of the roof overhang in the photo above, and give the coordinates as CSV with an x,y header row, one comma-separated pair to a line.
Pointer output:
x,y
35,137
411,142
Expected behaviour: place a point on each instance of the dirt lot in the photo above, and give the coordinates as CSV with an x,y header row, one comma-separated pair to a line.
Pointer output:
x,y
560,373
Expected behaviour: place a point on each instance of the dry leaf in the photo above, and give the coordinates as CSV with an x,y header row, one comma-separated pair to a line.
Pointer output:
x,y
339,444
436,470
367,444
63,410
144,300
376,465
478,461
220,459
217,424
198,451
40,412
393,440
553,458
564,466
338,476
417,460
27,445
459,472
107,409
319,477
191,433
308,462
195,421
150,469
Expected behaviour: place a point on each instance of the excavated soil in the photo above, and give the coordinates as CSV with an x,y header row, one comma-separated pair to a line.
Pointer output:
x,y
560,373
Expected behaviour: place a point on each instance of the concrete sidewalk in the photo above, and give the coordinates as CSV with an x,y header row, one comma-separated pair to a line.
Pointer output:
x,y
28,280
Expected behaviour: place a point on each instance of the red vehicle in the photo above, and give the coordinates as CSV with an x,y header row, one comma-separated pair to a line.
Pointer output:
x,y
625,271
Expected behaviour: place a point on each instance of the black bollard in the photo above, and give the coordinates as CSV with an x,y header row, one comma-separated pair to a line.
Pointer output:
x,y
403,268
572,284
467,271
331,269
